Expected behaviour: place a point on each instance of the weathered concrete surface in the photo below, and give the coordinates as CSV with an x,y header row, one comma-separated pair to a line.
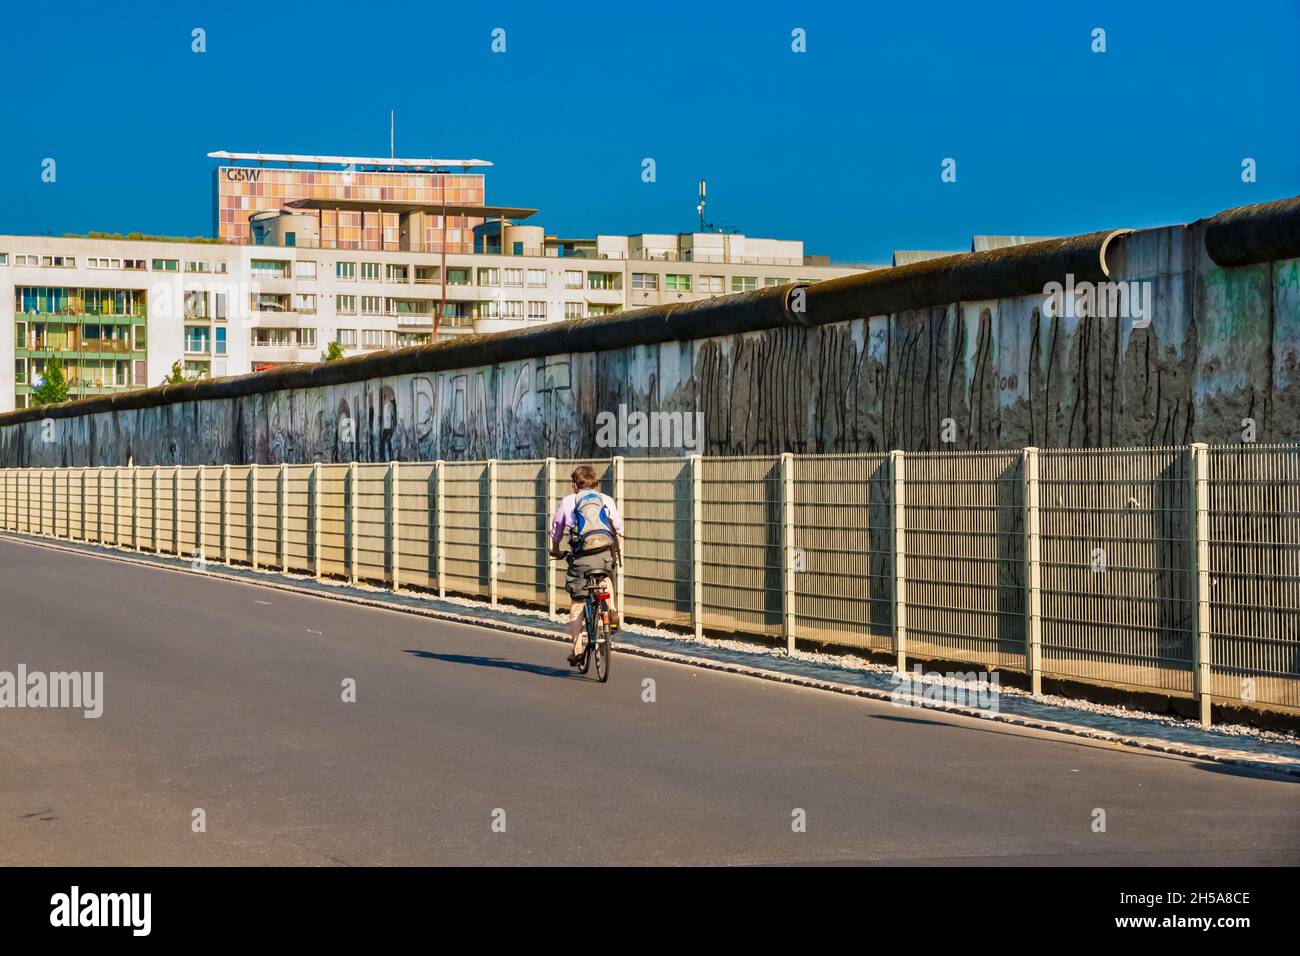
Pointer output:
x,y
1222,347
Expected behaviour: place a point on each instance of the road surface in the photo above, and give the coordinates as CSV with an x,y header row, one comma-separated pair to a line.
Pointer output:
x,y
470,746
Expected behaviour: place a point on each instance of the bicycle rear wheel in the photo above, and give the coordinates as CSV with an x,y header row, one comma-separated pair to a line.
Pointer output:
x,y
604,650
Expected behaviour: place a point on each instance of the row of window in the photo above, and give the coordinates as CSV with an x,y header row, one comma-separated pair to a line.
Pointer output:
x,y
204,339
108,262
370,338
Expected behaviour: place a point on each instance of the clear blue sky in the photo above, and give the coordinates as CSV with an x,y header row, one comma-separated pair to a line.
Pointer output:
x,y
840,146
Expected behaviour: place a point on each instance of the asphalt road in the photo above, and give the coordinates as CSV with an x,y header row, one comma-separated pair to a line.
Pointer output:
x,y
228,697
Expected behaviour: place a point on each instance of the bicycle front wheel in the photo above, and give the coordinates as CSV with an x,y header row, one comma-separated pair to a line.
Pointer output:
x,y
591,643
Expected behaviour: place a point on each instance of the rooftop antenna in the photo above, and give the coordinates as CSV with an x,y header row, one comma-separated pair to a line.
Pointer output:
x,y
392,134
704,188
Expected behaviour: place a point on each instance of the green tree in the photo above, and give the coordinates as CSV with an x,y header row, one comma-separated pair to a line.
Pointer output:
x,y
54,387
334,352
177,375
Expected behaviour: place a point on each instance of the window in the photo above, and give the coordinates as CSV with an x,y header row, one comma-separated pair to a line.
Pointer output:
x,y
219,306
514,277
169,265
142,337
219,267
536,309
744,283
487,310
304,302
377,338
95,262
304,270
196,338
649,281
372,305
196,305
573,310
58,262
135,265
22,260
709,284
677,283
601,280
4,258
347,338
512,310
601,309
346,271
346,305
370,272
457,277
572,279
537,278
221,340
489,276
398,273
426,275
775,280
805,281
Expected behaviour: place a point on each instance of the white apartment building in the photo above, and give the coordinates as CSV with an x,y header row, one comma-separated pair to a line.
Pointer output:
x,y
119,312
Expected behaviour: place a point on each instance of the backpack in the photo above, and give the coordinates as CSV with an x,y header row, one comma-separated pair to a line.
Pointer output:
x,y
592,528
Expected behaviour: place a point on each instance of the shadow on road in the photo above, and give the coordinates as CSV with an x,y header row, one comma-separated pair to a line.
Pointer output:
x,y
541,670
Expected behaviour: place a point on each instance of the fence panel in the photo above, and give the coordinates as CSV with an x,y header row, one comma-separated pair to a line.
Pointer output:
x,y
742,568
296,517
166,524
1254,531
1116,552
333,520
657,554
237,530
211,512
964,520
187,511
417,536
523,513
843,562
466,497
266,515
371,545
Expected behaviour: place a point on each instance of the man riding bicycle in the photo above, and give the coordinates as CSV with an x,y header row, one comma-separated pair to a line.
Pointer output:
x,y
594,527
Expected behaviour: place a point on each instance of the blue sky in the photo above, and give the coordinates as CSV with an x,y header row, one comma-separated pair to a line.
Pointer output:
x,y
840,146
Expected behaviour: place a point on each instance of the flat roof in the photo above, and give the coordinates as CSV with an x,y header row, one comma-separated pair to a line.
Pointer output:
x,y
346,160
387,205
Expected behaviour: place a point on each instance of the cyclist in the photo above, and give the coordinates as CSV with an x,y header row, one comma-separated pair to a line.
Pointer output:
x,y
594,527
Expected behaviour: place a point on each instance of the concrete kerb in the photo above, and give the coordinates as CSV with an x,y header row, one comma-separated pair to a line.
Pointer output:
x,y
268,579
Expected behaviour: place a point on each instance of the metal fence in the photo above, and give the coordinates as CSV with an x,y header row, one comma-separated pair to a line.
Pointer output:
x,y
1171,569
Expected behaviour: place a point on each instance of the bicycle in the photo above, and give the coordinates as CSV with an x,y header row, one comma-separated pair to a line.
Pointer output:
x,y
595,614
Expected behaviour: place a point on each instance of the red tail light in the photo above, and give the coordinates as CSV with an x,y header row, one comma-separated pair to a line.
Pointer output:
x,y
602,597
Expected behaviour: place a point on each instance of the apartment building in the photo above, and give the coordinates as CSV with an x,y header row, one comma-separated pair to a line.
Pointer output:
x,y
368,265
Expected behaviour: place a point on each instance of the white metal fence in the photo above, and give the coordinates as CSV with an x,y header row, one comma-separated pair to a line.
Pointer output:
x,y
1170,569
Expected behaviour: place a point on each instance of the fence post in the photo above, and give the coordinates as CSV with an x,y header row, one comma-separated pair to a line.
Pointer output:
x,y
394,517
1202,651
225,513
898,539
492,530
546,539
787,550
117,507
153,510
176,510
697,545
135,507
250,517
199,509
282,519
440,526
84,536
1033,575
350,522
313,519
620,588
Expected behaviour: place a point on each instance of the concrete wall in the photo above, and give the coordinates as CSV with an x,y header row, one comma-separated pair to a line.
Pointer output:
x,y
1223,345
